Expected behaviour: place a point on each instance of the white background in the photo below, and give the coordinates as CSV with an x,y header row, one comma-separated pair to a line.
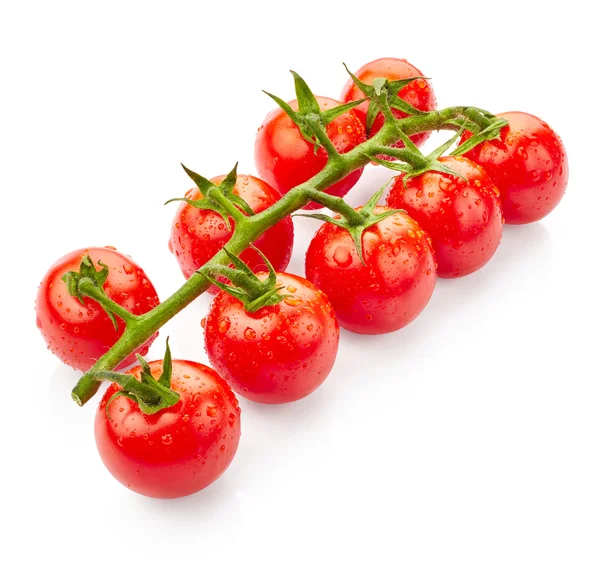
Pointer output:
x,y
470,436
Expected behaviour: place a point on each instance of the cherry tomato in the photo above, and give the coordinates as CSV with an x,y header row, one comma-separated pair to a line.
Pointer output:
x,y
285,159
528,164
418,93
390,289
79,334
197,235
462,217
179,450
280,353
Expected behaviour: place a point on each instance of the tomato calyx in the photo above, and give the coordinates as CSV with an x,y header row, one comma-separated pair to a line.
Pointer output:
x,y
218,198
309,118
355,221
150,394
253,292
383,94
489,126
89,282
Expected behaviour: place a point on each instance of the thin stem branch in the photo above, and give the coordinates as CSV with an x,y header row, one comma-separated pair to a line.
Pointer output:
x,y
336,204
88,288
217,196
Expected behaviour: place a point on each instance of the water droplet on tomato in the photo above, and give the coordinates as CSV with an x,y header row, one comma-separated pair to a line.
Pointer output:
x,y
224,324
128,268
167,439
342,256
292,301
249,334
211,410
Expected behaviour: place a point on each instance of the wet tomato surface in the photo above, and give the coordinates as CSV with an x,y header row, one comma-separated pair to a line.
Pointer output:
x,y
528,164
462,216
392,286
179,450
282,352
79,334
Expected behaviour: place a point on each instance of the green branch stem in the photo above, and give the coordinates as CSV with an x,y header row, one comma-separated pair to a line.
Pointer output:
x,y
88,288
249,228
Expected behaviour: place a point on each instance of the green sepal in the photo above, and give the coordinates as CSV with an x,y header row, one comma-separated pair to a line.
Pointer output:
x,y
388,88
395,101
329,115
245,285
88,271
491,132
307,102
309,119
416,163
297,119
356,230
152,395
207,203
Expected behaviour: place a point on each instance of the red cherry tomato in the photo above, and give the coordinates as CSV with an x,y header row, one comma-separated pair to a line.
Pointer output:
x,y
279,354
462,217
79,334
418,93
197,235
528,164
285,159
179,450
390,289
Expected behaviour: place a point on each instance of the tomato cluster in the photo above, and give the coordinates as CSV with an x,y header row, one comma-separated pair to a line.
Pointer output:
x,y
371,272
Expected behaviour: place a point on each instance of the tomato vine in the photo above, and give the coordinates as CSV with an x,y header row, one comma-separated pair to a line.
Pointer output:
x,y
312,122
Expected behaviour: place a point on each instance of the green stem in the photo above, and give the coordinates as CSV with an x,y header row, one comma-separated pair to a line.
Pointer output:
x,y
248,230
217,196
336,204
314,122
88,288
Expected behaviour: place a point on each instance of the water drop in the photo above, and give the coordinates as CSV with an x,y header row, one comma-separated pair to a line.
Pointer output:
x,y
342,256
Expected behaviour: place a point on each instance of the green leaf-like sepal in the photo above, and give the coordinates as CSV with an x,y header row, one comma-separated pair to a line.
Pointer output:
x,y
307,102
208,200
152,395
329,115
491,132
245,285
309,119
355,228
416,163
389,90
90,276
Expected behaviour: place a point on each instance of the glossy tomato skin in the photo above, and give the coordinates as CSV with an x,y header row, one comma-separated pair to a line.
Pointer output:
x,y
79,334
285,159
198,235
179,450
418,93
390,289
279,354
462,217
528,164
